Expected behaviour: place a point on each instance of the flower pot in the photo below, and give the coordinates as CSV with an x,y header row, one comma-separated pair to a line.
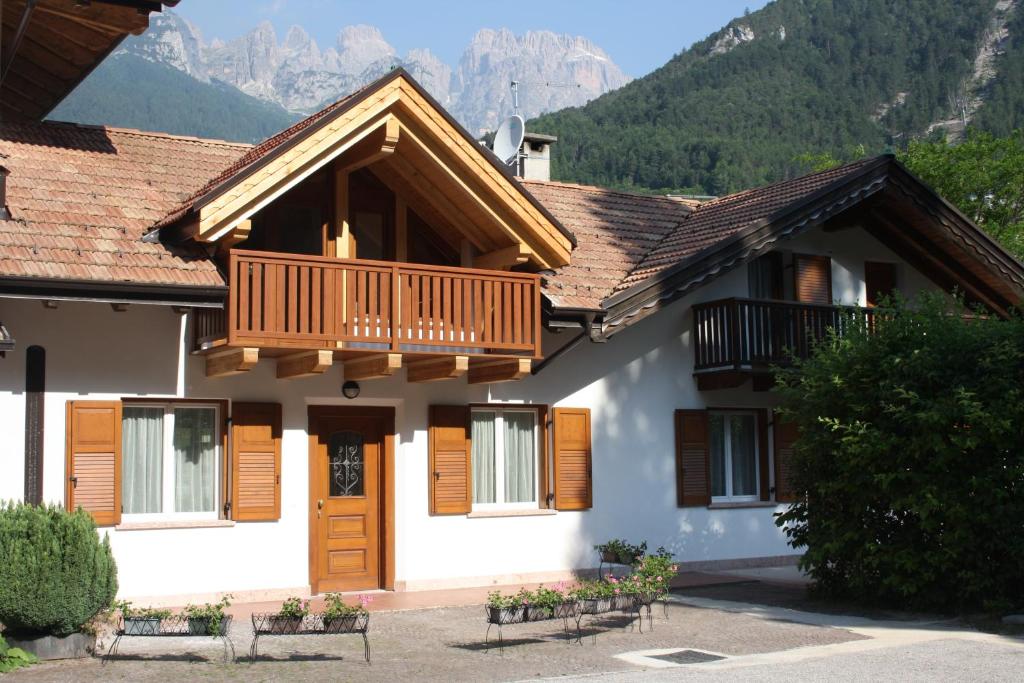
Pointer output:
x,y
142,626
349,623
609,557
505,615
537,613
203,626
623,601
627,558
278,624
565,610
595,605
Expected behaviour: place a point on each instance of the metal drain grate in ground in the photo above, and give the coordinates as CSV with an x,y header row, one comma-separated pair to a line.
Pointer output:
x,y
688,657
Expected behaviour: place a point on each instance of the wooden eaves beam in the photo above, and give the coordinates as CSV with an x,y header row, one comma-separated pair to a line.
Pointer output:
x,y
435,369
304,364
507,370
373,367
380,145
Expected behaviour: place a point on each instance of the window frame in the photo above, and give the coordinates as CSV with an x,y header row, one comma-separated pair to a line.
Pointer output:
x,y
727,457
539,453
168,465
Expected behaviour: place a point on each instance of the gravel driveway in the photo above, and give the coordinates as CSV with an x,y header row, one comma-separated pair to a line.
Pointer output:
x,y
440,644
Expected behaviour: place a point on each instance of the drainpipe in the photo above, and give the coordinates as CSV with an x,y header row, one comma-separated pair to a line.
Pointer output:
x,y
5,215
587,324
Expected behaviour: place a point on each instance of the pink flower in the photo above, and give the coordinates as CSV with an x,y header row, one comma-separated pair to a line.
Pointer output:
x,y
612,579
659,578
674,567
618,590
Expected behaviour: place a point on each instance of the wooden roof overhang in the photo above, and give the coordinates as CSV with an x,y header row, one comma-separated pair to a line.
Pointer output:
x,y
395,129
47,47
893,205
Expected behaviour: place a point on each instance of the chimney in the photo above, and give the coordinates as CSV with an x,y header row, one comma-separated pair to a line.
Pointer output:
x,y
5,215
535,156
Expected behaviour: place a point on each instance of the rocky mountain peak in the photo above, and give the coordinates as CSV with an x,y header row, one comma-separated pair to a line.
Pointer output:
x,y
554,70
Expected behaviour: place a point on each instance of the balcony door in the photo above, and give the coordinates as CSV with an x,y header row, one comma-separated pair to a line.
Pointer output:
x,y
297,223
350,509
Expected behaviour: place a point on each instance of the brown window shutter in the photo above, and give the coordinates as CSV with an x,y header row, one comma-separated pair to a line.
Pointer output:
x,y
94,459
813,279
879,280
451,490
785,436
693,482
255,462
574,480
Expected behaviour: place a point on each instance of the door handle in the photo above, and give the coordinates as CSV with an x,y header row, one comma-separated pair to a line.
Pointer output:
x,y
319,507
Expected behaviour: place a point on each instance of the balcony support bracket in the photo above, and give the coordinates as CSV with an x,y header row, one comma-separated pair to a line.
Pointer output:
x,y
435,369
373,367
304,364
231,361
508,370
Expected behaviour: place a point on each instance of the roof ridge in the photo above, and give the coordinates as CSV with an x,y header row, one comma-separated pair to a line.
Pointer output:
x,y
139,132
597,188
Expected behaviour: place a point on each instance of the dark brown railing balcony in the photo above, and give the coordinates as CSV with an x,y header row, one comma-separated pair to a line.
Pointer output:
x,y
313,302
751,335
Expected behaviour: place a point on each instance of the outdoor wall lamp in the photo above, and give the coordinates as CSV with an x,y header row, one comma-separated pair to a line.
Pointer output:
x,y
350,389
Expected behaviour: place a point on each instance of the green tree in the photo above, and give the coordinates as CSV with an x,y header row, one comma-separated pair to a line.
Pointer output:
x,y
983,176
910,460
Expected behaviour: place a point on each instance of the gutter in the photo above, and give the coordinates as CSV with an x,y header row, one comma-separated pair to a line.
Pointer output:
x,y
588,331
113,292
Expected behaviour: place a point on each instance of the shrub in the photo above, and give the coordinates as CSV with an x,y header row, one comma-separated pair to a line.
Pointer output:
x,y
910,460
55,572
12,658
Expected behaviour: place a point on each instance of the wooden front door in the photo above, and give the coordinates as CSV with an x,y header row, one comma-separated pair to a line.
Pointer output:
x,y
349,451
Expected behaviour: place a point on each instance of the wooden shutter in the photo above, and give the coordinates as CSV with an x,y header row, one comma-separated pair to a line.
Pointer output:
x,y
813,279
879,280
94,459
450,475
785,435
693,483
574,485
255,462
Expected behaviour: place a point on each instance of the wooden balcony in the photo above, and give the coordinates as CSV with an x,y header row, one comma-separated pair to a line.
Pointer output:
x,y
283,303
736,339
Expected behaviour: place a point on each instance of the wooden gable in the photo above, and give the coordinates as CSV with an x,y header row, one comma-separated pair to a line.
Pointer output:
x,y
395,129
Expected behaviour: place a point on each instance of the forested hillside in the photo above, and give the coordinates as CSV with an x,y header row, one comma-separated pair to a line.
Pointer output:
x,y
797,77
132,92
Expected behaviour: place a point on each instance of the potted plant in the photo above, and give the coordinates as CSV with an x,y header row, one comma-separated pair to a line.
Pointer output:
x,y
208,619
339,617
550,603
611,550
594,597
289,618
141,621
506,609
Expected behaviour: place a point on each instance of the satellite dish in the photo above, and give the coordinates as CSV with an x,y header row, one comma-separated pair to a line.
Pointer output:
x,y
509,138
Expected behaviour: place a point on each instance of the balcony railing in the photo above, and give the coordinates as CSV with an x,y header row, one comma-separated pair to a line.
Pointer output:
x,y
312,302
751,335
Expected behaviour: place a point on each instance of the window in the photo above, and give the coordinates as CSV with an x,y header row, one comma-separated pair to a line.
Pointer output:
x,y
170,460
764,277
732,442
504,458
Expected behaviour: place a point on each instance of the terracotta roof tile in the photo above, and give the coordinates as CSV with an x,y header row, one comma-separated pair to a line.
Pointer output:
x,y
722,218
82,197
614,231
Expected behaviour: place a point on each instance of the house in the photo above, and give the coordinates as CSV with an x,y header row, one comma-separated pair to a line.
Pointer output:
x,y
363,355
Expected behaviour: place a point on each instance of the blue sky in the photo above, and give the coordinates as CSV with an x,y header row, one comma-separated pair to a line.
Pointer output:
x,y
640,35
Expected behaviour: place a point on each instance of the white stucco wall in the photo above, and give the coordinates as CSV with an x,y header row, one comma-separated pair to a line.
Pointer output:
x,y
632,384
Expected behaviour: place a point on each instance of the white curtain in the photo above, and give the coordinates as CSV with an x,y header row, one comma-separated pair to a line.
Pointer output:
x,y
195,454
142,445
482,434
716,438
519,457
744,458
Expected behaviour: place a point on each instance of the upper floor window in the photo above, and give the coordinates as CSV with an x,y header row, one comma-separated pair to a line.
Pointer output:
x,y
732,445
879,281
504,458
764,277
170,460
